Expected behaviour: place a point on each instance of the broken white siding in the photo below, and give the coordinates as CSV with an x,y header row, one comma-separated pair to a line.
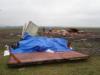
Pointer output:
x,y
30,28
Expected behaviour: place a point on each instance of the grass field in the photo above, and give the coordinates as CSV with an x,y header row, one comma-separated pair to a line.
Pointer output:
x,y
89,67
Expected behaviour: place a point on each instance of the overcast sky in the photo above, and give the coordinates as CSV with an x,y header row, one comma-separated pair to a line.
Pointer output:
x,y
51,12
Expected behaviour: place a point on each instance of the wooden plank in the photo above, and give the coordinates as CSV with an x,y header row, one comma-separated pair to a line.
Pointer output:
x,y
38,56
72,54
15,58
44,56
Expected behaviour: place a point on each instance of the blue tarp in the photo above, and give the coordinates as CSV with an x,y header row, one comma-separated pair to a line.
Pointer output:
x,y
40,44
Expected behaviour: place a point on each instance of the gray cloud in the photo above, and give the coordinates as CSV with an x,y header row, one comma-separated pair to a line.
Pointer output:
x,y
51,12
1,10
